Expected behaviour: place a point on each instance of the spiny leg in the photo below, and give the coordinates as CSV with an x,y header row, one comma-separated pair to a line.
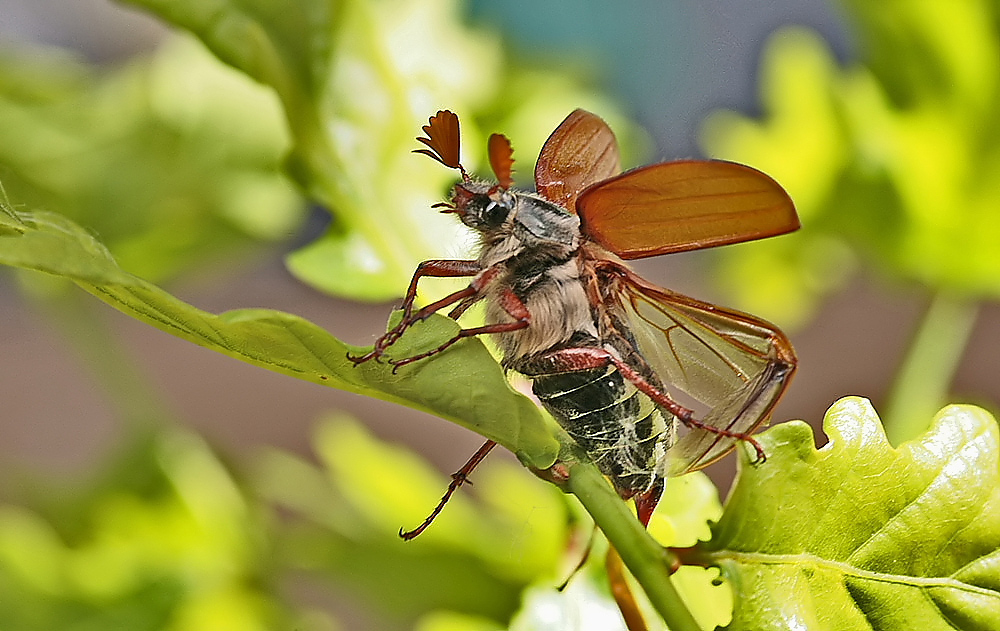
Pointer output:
x,y
436,269
507,300
392,335
458,478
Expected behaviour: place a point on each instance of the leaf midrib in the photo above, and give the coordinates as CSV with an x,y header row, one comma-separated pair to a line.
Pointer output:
x,y
800,560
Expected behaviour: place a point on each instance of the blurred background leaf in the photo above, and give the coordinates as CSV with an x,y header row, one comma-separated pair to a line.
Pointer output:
x,y
356,78
172,160
894,163
345,518
904,182
164,540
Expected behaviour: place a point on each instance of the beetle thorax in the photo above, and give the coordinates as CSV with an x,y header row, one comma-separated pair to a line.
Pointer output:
x,y
537,243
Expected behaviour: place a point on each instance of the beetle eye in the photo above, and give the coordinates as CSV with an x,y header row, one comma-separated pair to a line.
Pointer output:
x,y
495,213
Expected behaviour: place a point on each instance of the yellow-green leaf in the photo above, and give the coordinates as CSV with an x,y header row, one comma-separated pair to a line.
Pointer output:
x,y
860,534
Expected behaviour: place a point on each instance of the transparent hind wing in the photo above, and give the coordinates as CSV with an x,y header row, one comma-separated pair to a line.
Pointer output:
x,y
737,366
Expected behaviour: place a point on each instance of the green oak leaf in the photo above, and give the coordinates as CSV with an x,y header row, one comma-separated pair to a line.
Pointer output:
x,y
862,535
464,385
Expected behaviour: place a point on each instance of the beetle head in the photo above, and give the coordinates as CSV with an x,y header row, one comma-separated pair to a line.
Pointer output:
x,y
479,205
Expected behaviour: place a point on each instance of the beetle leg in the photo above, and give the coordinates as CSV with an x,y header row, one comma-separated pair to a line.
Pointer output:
x,y
458,478
436,269
462,307
392,335
506,299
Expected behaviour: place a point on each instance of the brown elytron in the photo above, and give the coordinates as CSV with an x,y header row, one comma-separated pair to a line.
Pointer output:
x,y
603,347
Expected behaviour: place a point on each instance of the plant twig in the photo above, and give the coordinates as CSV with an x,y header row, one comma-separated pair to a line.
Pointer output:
x,y
648,561
923,380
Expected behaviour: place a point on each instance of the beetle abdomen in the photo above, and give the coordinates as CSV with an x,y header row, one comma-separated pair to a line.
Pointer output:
x,y
620,428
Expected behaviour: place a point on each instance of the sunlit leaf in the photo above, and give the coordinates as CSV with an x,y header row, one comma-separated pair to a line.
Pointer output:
x,y
859,534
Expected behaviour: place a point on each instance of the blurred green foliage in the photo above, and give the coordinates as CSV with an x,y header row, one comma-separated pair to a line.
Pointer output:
x,y
355,79
345,518
893,160
165,540
172,160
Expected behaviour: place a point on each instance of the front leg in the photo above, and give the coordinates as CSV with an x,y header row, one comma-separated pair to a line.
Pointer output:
x,y
465,298
437,268
507,300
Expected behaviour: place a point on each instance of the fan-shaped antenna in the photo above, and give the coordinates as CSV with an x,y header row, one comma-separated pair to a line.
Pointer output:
x,y
444,141
501,159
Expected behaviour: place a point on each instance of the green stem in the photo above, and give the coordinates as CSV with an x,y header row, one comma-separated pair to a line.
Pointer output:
x,y
646,559
923,380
